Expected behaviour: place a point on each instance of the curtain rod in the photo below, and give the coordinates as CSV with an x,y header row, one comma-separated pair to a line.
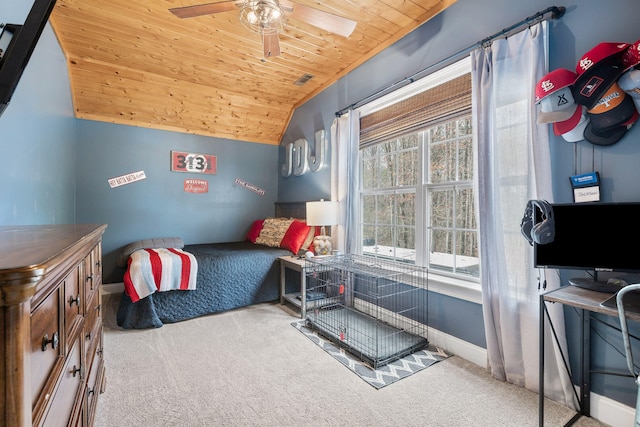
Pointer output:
x,y
555,11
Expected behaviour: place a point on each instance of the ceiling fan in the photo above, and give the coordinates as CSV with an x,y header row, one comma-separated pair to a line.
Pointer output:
x,y
268,18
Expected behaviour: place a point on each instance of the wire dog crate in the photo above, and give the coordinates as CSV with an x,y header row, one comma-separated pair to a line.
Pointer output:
x,y
374,308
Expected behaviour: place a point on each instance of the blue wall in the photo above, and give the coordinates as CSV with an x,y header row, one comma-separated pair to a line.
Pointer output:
x,y
158,206
585,24
37,136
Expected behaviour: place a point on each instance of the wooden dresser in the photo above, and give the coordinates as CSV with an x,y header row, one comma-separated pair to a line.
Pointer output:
x,y
51,365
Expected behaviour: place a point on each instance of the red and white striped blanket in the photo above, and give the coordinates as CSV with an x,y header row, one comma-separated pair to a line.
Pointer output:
x,y
162,269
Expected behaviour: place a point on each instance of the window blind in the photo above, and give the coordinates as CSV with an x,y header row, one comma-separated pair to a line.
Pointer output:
x,y
427,108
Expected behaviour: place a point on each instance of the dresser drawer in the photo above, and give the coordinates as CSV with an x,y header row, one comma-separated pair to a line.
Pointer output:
x,y
92,324
92,271
96,262
96,377
66,409
46,344
73,308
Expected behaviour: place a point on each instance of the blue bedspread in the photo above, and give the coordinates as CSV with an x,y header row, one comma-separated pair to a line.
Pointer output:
x,y
230,275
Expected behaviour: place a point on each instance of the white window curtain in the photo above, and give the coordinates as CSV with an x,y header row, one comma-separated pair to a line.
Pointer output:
x,y
513,166
345,137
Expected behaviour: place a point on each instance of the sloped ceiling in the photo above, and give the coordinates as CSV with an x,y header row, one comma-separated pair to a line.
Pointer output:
x,y
133,62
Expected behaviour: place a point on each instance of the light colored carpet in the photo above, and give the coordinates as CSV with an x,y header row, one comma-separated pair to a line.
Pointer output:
x,y
249,367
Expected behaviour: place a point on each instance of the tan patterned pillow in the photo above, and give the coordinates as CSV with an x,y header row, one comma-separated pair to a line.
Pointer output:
x,y
273,230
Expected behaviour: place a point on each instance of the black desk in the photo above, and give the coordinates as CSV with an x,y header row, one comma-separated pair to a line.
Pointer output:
x,y
587,302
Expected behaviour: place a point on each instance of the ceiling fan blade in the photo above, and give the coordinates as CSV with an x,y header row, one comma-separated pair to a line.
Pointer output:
x,y
204,9
318,18
270,45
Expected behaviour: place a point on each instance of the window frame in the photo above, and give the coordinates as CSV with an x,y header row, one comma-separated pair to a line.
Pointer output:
x,y
466,288
454,185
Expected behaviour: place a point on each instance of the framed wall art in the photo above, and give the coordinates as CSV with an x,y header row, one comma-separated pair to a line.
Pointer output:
x,y
193,162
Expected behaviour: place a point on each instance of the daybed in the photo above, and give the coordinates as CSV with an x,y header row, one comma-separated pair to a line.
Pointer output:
x,y
229,275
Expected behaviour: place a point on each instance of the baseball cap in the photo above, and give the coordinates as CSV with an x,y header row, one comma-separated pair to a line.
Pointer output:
x,y
553,94
576,133
631,56
630,83
597,70
565,126
557,107
611,117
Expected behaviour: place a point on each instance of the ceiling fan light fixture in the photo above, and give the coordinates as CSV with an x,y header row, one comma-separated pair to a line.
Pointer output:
x,y
275,14
252,18
262,16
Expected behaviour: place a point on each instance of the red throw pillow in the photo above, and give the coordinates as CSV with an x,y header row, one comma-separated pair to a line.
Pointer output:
x,y
295,236
254,231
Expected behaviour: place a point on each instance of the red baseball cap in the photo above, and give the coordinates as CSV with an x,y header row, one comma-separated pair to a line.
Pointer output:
x,y
553,94
597,70
631,56
553,81
560,128
577,133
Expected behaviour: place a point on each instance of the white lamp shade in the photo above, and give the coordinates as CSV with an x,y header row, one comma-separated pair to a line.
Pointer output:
x,y
322,213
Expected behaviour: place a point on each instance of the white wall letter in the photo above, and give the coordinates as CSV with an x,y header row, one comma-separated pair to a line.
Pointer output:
x,y
318,160
300,163
287,166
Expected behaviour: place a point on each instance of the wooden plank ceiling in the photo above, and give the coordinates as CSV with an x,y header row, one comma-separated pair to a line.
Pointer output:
x,y
133,62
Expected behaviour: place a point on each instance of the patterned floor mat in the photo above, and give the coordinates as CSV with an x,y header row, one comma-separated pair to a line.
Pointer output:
x,y
384,375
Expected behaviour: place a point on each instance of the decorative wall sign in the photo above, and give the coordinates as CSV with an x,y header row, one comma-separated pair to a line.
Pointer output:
x,y
196,186
251,187
193,162
586,187
126,179
298,158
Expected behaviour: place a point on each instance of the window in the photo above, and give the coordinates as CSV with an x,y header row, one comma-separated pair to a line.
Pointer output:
x,y
416,174
452,233
389,176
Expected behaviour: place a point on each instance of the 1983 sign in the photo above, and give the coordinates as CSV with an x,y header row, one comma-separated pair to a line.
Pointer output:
x,y
193,162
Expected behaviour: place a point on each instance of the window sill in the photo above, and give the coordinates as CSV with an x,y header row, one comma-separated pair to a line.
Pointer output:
x,y
456,288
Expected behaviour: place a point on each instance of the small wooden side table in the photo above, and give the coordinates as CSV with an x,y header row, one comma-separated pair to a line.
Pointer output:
x,y
297,299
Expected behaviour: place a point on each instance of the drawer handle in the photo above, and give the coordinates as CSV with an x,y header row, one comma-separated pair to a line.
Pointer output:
x,y
90,277
54,341
76,370
76,300
90,391
98,308
97,263
89,335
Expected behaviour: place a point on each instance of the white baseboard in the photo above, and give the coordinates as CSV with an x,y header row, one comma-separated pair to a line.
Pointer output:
x,y
112,288
611,412
453,345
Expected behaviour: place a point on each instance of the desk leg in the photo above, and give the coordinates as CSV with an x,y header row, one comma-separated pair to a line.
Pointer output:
x,y
585,367
585,364
541,364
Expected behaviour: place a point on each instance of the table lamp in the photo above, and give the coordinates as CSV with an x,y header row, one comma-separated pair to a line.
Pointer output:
x,y
322,214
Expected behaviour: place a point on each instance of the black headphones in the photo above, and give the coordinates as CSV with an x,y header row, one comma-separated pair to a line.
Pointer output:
x,y
542,232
